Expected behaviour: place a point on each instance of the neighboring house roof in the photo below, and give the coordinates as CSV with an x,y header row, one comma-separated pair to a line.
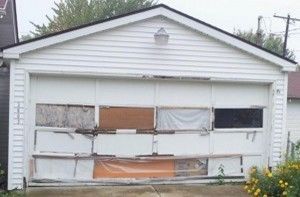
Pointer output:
x,y
3,4
8,24
294,85
13,51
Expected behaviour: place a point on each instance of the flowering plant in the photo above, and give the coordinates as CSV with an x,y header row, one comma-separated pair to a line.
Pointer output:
x,y
282,181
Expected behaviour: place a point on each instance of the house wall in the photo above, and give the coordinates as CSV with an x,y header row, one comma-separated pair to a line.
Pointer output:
x,y
4,103
293,119
130,51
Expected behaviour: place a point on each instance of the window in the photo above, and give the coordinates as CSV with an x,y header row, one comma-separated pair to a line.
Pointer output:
x,y
238,118
67,116
176,119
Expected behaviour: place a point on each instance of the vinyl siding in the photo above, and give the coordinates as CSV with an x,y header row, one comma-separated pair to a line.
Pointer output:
x,y
130,50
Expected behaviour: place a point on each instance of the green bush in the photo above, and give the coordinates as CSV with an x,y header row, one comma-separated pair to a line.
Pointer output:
x,y
283,181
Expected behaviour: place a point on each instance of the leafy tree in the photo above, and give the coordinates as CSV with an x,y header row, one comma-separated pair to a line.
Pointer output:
x,y
72,13
271,42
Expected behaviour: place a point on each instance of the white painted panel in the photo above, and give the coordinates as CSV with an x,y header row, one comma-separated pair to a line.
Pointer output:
x,y
231,166
123,144
63,142
237,143
125,92
54,168
172,93
84,169
251,161
237,94
65,90
182,144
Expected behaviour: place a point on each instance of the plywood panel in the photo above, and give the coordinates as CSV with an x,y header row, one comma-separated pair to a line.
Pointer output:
x,y
134,169
123,144
182,144
126,118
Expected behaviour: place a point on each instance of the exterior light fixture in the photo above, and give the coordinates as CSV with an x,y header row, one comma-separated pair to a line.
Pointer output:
x,y
161,37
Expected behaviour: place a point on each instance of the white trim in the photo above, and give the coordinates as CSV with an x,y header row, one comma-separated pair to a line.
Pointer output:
x,y
11,126
14,52
284,121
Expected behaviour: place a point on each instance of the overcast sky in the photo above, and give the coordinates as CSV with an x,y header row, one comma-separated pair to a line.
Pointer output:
x,y
225,14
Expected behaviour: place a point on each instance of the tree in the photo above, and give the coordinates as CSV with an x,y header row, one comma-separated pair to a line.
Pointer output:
x,y
271,42
72,13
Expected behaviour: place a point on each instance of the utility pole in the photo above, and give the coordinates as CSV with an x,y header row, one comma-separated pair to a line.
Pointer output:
x,y
288,19
259,32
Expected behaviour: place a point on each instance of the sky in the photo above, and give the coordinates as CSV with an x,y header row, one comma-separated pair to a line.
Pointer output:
x,y
228,15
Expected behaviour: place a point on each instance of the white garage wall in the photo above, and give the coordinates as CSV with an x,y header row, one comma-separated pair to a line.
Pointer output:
x,y
130,50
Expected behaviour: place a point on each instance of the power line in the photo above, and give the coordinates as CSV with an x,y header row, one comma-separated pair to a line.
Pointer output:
x,y
288,19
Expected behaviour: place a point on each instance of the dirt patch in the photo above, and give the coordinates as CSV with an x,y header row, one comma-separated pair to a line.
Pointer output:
x,y
143,191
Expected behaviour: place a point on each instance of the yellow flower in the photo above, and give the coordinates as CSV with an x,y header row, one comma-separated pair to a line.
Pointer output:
x,y
281,181
284,193
255,194
249,191
265,195
246,187
258,190
282,185
286,184
270,175
256,181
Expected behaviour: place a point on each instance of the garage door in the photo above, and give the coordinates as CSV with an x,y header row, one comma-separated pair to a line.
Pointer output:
x,y
134,118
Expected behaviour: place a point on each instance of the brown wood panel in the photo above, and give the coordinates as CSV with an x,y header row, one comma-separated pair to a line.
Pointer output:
x,y
126,118
134,169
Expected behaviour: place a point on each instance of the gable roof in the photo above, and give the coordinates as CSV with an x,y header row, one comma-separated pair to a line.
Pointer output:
x,y
13,51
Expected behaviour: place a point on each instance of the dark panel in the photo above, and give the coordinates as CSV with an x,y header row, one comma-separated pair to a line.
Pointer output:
x,y
8,29
238,118
126,118
4,107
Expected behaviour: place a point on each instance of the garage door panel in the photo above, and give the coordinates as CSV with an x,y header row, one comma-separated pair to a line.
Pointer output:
x,y
123,144
182,144
64,90
55,142
229,94
188,94
236,143
125,92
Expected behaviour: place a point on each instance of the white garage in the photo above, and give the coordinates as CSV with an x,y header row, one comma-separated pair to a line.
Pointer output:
x,y
113,104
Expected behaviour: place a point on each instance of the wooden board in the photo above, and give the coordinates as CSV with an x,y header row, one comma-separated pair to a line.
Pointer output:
x,y
113,118
134,169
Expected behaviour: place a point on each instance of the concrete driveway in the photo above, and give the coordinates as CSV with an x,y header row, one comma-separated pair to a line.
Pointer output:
x,y
141,191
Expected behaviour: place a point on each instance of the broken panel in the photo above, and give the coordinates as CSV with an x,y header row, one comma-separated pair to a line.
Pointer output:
x,y
113,118
122,168
190,167
183,119
68,116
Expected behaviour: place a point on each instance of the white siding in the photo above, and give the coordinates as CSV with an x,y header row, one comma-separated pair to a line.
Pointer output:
x,y
293,119
130,50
